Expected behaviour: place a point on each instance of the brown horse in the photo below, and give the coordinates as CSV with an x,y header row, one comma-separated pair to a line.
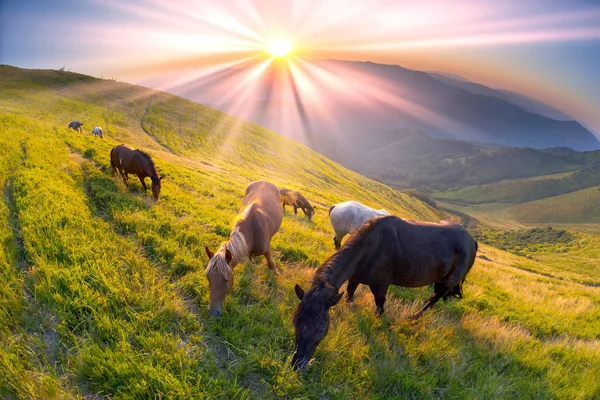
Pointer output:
x,y
136,162
258,220
296,200
385,251
76,126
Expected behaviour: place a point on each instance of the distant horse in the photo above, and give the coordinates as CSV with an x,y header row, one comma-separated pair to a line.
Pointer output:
x,y
136,162
76,126
348,216
97,131
385,251
258,220
296,200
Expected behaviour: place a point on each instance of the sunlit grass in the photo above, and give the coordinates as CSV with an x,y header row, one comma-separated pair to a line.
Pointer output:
x,y
112,298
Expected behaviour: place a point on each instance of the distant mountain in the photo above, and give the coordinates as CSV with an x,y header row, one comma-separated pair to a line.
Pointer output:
x,y
412,159
535,106
520,100
385,98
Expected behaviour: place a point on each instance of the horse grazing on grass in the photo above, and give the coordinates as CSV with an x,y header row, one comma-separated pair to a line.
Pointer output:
x,y
348,216
76,126
385,251
258,220
136,162
97,131
296,200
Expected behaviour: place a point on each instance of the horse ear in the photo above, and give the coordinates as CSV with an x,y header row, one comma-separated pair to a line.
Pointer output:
x,y
209,253
299,292
335,299
228,256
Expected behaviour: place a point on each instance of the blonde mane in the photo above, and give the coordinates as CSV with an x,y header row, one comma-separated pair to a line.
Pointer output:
x,y
239,251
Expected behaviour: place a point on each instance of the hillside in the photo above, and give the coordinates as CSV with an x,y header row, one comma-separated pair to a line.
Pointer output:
x,y
523,190
412,159
104,291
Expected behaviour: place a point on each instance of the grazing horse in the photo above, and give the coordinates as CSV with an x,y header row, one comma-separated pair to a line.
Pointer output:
x,y
76,126
258,220
296,200
97,131
385,251
136,162
348,216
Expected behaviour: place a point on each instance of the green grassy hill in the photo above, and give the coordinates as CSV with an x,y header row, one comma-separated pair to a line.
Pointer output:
x,y
104,291
524,190
411,159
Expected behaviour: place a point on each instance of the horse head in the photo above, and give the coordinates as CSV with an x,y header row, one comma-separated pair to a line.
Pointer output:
x,y
220,278
156,184
311,321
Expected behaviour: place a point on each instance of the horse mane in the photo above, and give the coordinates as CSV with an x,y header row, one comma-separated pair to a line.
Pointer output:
x,y
239,251
323,283
150,160
146,155
350,252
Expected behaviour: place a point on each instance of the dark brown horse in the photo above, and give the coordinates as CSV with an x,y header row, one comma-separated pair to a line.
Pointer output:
x,y
296,200
76,126
135,162
385,251
258,220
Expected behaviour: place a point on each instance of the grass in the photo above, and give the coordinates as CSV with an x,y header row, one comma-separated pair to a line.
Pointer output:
x,y
104,291
525,190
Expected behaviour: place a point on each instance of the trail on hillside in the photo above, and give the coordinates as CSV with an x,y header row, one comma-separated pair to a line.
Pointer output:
x,y
150,135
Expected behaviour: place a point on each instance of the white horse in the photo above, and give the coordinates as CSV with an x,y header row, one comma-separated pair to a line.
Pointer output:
x,y
97,131
348,216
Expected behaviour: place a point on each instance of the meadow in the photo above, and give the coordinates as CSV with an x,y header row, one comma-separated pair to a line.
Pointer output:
x,y
104,291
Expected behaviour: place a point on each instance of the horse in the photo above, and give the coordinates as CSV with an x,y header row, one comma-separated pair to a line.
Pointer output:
x,y
259,218
296,200
348,216
129,161
97,131
76,126
385,251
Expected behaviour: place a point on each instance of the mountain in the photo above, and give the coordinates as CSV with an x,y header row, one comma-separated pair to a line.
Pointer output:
x,y
520,100
366,98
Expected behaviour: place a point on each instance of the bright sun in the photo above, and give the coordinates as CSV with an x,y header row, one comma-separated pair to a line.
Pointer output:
x,y
279,48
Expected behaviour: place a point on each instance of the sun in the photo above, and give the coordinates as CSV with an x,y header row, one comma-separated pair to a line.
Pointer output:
x,y
279,48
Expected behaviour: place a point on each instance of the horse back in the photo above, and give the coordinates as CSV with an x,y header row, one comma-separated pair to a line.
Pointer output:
x,y
415,254
261,214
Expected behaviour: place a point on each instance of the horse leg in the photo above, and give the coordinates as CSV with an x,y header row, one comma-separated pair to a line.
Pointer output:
x,y
295,210
143,183
439,291
270,262
379,292
337,242
283,206
350,289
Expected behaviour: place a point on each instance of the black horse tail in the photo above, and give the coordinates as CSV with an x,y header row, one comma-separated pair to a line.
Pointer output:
x,y
331,208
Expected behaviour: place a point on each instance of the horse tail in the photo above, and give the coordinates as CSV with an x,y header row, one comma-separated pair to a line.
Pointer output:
x,y
331,209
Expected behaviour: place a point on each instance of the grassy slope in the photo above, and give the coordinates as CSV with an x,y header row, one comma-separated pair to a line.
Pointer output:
x,y
106,291
519,191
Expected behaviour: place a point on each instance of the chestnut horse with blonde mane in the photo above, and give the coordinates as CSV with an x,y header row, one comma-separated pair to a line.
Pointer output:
x,y
258,220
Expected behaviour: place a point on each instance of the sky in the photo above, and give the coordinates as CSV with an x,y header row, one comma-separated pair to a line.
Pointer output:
x,y
547,49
